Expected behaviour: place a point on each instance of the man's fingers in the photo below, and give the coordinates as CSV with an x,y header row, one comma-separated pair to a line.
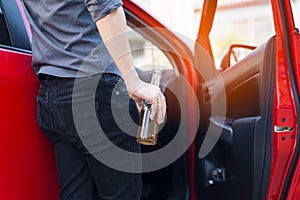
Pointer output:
x,y
154,106
161,109
158,108
153,95
139,104
149,93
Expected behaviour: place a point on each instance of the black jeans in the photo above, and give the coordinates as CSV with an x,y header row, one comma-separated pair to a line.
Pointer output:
x,y
81,175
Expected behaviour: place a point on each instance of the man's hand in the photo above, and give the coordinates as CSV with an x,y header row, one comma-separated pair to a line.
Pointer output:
x,y
139,91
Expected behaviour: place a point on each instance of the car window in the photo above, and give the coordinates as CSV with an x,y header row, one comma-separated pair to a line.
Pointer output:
x,y
296,15
241,22
247,22
4,35
146,56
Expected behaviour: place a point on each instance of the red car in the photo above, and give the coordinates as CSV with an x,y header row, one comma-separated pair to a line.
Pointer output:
x,y
233,128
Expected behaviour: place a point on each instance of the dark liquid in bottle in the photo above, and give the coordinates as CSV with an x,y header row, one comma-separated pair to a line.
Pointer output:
x,y
148,129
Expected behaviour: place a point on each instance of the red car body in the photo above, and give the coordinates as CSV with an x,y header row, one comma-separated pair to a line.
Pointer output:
x,y
27,169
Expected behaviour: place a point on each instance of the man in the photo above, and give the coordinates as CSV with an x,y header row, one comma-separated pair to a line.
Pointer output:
x,y
69,58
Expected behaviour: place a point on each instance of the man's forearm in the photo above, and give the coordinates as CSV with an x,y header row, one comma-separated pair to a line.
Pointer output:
x,y
112,29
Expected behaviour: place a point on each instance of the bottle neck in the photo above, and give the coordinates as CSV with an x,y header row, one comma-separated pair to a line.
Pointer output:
x,y
156,77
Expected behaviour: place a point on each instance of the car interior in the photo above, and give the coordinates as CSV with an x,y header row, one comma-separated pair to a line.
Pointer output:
x,y
239,164
240,158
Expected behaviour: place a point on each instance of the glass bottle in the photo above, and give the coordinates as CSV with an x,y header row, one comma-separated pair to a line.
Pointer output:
x,y
148,129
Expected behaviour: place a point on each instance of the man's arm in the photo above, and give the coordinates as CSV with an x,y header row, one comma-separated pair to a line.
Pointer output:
x,y
112,29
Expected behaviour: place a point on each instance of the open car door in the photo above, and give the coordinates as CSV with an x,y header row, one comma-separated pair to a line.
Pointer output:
x,y
250,152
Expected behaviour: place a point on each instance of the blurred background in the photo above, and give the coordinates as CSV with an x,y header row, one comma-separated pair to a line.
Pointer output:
x,y
237,21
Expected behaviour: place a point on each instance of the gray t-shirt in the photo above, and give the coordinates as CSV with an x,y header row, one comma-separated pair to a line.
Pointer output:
x,y
66,41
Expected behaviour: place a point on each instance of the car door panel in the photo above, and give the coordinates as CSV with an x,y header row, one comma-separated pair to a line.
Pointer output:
x,y
241,153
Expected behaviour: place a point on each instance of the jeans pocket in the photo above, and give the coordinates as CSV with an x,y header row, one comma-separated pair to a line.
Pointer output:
x,y
76,116
124,110
63,117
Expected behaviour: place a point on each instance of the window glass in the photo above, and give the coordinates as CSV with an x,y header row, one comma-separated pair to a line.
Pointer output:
x,y
241,22
247,22
4,35
146,56
296,9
